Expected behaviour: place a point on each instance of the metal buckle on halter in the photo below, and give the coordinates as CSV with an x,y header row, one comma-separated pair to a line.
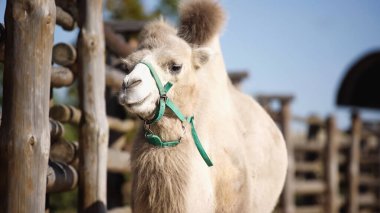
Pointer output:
x,y
164,96
147,126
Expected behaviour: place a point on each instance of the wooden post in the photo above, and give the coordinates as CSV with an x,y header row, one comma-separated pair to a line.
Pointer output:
x,y
25,131
289,188
331,167
353,169
93,139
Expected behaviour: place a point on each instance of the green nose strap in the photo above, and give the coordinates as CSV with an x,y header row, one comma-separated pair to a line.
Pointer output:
x,y
166,102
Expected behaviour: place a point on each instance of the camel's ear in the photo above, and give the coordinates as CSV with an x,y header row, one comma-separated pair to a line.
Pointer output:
x,y
201,56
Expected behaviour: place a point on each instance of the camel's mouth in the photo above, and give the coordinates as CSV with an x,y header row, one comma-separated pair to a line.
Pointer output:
x,y
136,103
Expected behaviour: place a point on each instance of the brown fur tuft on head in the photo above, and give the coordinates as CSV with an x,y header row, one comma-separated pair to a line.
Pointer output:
x,y
155,34
200,20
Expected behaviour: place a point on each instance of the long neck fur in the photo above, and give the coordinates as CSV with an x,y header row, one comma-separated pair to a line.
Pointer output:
x,y
161,174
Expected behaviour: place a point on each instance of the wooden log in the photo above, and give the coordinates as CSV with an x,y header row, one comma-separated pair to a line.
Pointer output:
x,y
64,54
70,114
331,167
25,132
288,194
126,26
308,147
118,161
56,130
64,19
67,152
93,137
61,77
353,168
61,177
310,209
368,199
120,125
310,187
64,151
114,77
116,43
369,180
309,167
65,114
70,6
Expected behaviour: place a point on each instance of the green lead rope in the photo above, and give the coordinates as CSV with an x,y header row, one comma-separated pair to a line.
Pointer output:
x,y
165,101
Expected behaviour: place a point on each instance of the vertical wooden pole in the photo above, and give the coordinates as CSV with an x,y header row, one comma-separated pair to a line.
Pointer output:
x,y
93,126
25,132
331,167
288,192
353,170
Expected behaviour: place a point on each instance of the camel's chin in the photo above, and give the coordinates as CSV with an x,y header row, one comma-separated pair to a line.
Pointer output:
x,y
143,107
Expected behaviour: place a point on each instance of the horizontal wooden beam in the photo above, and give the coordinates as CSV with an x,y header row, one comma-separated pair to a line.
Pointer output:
x,y
114,77
116,43
118,161
310,187
70,114
67,152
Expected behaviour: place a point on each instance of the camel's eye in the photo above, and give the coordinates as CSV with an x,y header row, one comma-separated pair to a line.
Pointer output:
x,y
175,68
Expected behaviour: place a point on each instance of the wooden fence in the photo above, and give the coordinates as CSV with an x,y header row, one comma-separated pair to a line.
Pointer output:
x,y
330,170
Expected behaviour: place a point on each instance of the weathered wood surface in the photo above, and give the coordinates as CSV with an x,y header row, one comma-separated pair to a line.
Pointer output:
x,y
25,132
56,130
65,20
114,77
118,161
310,187
64,54
67,152
61,77
61,177
68,6
64,151
331,167
353,167
70,114
116,43
93,139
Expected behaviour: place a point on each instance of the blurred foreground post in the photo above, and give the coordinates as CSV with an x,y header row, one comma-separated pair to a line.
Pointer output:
x,y
25,129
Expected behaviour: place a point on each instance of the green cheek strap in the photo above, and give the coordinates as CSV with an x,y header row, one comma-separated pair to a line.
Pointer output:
x,y
166,102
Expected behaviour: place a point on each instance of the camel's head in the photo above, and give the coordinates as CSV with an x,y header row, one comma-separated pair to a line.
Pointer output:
x,y
172,59
175,57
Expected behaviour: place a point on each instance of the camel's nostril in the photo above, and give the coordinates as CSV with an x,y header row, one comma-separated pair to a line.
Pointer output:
x,y
133,83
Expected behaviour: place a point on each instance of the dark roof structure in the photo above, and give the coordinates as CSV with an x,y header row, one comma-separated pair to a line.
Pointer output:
x,y
360,86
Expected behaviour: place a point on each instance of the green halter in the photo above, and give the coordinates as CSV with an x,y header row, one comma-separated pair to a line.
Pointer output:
x,y
165,101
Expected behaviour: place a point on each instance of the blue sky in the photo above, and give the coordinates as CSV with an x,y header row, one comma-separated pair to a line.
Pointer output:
x,y
300,47
295,47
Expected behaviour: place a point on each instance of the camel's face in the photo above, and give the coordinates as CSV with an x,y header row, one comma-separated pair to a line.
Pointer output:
x,y
174,62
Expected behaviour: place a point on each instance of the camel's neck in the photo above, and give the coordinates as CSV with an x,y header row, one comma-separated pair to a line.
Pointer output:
x,y
161,174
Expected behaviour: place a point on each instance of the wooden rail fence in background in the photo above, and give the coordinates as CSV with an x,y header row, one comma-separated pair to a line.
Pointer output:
x,y
332,170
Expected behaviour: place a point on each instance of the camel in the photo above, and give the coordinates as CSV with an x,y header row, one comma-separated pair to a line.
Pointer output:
x,y
244,159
